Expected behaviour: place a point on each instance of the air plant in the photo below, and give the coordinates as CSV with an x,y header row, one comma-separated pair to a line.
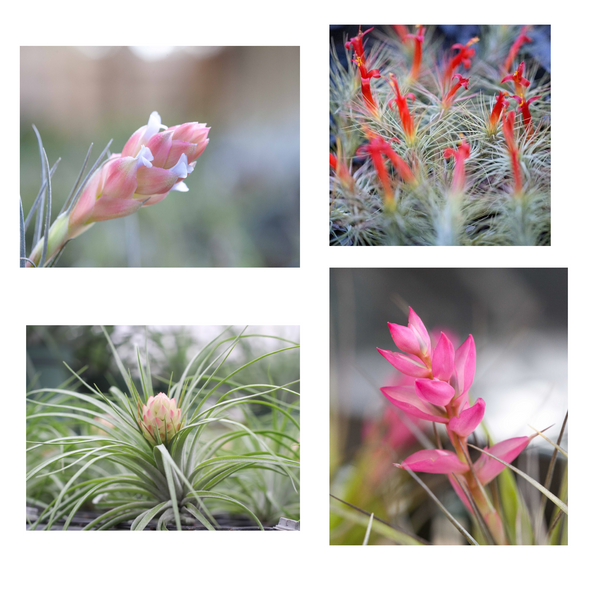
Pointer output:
x,y
151,164
494,210
437,391
173,459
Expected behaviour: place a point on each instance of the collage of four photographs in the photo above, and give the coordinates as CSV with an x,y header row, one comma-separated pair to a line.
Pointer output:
x,y
162,186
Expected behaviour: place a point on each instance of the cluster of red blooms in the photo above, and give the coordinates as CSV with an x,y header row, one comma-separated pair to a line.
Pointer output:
x,y
464,54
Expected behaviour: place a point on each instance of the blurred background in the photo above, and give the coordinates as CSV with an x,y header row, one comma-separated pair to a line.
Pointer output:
x,y
242,209
170,349
518,318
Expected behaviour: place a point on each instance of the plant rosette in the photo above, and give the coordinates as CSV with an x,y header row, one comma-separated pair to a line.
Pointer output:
x,y
176,459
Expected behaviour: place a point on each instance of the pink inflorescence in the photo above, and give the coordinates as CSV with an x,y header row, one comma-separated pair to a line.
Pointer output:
x,y
440,393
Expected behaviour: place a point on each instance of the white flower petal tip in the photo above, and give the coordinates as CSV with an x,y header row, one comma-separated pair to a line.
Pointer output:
x,y
144,157
180,187
182,169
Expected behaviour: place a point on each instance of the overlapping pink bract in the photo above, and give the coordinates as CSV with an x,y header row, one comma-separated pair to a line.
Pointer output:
x,y
154,161
152,164
161,419
439,392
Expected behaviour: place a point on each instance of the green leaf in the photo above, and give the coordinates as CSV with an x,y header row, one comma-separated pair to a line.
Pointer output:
x,y
368,532
532,481
449,516
139,524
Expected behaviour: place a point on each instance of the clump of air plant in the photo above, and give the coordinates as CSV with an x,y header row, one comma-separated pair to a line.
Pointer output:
x,y
404,93
436,389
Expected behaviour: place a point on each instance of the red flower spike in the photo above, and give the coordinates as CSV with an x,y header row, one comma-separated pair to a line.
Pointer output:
x,y
402,32
356,42
501,104
522,38
341,170
365,74
464,56
419,37
374,150
460,156
448,98
524,109
377,148
404,112
513,150
518,79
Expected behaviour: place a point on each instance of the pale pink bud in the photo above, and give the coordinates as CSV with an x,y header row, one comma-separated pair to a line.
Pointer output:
x,y
161,419
152,164
110,192
434,461
143,135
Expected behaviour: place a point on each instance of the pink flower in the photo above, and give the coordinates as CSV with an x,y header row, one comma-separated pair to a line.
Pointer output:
x,y
486,468
437,390
152,164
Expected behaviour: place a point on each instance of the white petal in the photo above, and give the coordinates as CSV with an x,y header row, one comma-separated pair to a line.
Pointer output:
x,y
182,169
180,187
144,157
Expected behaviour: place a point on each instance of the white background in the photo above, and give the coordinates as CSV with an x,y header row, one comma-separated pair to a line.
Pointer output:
x,y
279,564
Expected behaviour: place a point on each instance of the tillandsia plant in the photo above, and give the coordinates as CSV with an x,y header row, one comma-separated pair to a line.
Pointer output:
x,y
477,176
435,388
210,445
154,161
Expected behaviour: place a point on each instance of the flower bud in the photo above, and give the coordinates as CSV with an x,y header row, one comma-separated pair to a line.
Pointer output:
x,y
152,164
161,419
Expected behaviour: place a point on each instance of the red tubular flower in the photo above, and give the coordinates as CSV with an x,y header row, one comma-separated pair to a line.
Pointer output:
x,y
402,32
405,116
377,148
460,156
518,79
524,109
464,56
419,37
365,74
448,98
508,125
522,38
341,170
501,104
399,164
